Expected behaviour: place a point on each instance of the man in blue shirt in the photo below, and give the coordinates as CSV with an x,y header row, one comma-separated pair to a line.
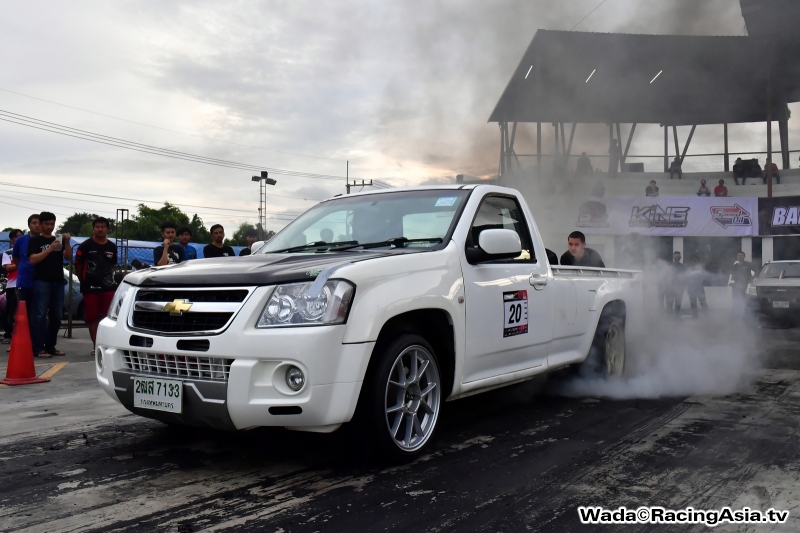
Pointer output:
x,y
19,255
184,236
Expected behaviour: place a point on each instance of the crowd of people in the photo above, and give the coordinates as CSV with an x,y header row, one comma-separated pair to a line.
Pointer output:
x,y
35,274
675,277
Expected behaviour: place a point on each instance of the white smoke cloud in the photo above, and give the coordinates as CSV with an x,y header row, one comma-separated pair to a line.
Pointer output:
x,y
672,356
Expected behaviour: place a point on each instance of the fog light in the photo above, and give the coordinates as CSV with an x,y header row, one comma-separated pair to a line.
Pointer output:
x,y
295,378
98,355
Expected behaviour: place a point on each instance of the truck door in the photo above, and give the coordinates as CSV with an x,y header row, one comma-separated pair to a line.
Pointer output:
x,y
509,323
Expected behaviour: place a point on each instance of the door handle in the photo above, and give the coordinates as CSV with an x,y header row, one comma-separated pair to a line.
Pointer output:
x,y
538,281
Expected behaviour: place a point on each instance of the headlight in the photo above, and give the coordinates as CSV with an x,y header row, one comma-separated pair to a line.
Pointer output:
x,y
293,305
751,290
116,302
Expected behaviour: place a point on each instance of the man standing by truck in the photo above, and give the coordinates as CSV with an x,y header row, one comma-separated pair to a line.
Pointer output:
x,y
47,253
94,264
169,252
578,254
741,274
217,248
184,236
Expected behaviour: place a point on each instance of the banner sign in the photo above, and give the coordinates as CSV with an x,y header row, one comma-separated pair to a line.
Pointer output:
x,y
779,216
669,215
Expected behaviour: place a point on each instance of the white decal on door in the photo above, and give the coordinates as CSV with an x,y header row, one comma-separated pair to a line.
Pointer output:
x,y
515,313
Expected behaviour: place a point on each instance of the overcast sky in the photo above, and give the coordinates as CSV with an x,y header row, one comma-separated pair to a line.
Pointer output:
x,y
402,90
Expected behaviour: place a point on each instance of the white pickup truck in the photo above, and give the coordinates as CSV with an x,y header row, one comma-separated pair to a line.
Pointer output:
x,y
378,306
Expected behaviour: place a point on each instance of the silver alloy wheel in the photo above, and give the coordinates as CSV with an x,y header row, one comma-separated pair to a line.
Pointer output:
x,y
615,350
412,398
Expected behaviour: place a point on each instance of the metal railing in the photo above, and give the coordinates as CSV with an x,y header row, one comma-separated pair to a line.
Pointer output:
x,y
654,163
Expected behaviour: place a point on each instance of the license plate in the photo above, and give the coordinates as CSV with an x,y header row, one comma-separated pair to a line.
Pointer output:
x,y
158,394
781,305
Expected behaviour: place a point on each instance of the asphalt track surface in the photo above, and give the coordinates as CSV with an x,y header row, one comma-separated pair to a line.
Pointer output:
x,y
516,459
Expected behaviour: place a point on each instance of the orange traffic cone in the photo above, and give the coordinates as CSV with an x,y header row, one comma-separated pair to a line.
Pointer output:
x,y
20,369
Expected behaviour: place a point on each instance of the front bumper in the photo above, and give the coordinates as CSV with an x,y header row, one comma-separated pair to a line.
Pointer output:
x,y
255,393
766,306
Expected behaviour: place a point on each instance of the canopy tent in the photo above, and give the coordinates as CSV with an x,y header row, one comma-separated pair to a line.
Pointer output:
x,y
671,80
581,77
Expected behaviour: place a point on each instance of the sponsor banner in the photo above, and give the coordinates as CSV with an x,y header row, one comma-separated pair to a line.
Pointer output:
x,y
779,216
669,215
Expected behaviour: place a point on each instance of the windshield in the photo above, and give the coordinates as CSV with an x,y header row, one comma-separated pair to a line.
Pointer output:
x,y
781,271
424,217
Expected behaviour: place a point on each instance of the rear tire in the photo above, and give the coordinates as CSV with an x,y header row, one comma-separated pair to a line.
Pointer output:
x,y
401,397
608,352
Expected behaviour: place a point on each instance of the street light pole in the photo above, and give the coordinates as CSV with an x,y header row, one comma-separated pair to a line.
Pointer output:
x,y
263,180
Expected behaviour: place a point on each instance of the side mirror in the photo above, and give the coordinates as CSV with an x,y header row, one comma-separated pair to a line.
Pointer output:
x,y
256,246
494,244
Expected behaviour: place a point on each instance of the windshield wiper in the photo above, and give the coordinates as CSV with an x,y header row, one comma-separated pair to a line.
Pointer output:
x,y
308,246
398,242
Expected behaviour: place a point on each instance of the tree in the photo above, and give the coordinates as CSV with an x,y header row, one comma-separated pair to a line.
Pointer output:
x,y
144,225
238,238
80,224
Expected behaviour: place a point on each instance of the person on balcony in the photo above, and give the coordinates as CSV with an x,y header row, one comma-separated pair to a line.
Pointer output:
x,y
738,171
675,168
775,175
583,165
651,189
721,190
703,190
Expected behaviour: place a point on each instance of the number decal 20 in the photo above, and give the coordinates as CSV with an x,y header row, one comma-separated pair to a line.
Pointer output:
x,y
515,314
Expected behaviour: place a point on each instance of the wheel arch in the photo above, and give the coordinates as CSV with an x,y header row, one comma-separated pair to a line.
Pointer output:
x,y
435,326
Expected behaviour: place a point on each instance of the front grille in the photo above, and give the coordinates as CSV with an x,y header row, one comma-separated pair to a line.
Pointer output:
x,y
774,293
192,295
186,366
186,323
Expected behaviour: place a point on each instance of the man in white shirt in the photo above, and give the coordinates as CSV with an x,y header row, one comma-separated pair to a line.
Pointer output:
x,y
11,285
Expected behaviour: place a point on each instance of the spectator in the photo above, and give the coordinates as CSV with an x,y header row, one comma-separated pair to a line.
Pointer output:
x,y
217,248
599,190
614,155
184,236
251,236
24,267
11,285
721,190
47,255
94,265
583,165
578,254
651,189
695,278
168,253
775,174
703,190
738,171
741,274
675,285
326,235
675,168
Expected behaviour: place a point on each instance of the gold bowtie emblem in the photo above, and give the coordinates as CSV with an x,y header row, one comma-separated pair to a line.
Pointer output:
x,y
177,307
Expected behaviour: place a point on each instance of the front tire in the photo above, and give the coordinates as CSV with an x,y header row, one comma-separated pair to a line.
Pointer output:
x,y
402,398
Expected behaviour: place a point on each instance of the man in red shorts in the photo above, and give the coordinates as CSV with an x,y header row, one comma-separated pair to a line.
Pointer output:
x,y
94,263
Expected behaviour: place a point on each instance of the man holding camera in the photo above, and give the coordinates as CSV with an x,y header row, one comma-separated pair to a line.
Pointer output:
x,y
47,253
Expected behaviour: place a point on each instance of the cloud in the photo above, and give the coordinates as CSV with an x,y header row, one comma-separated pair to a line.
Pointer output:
x,y
402,90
